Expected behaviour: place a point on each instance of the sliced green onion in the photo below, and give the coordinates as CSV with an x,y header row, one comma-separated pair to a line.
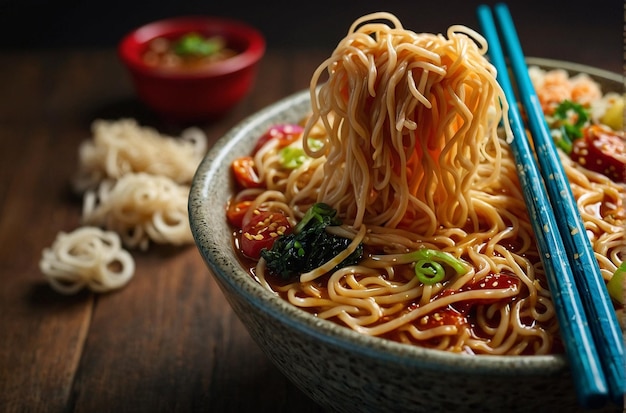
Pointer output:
x,y
428,265
429,272
292,157
564,112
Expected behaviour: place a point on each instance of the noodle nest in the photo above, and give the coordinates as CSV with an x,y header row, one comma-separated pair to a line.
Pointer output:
x,y
87,257
141,208
135,186
123,146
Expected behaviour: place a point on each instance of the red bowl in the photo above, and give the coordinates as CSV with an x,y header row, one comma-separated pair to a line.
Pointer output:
x,y
201,94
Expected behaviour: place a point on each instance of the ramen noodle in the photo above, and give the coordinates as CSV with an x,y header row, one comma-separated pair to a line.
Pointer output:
x,y
135,181
135,184
87,257
141,208
123,146
403,144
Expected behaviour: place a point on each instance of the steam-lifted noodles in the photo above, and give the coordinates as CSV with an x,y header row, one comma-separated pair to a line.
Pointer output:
x,y
395,209
410,119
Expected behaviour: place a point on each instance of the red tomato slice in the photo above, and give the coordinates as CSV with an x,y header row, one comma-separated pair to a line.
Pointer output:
x,y
284,134
602,150
246,173
236,212
262,231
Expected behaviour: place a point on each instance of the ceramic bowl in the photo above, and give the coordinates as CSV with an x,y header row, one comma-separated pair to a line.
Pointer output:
x,y
340,369
200,94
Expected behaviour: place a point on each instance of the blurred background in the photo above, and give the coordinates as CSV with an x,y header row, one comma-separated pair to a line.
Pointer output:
x,y
596,36
170,342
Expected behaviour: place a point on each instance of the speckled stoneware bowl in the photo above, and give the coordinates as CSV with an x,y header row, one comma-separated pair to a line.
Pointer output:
x,y
340,369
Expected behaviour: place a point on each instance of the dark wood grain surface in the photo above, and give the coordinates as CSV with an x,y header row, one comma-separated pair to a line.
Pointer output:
x,y
168,341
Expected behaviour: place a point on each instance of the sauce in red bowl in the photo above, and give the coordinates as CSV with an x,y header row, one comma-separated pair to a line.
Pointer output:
x,y
205,91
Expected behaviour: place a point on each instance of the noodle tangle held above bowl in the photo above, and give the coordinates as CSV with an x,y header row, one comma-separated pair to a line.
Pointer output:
x,y
411,118
402,175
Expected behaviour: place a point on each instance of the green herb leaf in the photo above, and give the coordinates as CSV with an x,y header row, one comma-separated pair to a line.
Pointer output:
x,y
193,44
573,115
320,215
569,119
309,246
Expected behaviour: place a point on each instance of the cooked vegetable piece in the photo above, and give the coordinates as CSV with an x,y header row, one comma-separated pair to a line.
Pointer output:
x,y
309,246
262,231
236,211
283,134
246,173
602,150
428,264
428,268
616,284
292,157
319,214
567,124
614,115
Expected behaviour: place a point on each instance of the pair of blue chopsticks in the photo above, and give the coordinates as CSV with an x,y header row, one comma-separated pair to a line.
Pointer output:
x,y
588,323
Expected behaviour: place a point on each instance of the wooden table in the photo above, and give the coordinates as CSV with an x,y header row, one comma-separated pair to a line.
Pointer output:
x,y
166,342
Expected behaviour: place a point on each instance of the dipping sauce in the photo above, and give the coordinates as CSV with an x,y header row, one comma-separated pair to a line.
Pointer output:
x,y
191,51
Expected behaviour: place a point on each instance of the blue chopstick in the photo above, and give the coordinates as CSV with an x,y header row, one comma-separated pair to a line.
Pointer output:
x,y
589,378
591,286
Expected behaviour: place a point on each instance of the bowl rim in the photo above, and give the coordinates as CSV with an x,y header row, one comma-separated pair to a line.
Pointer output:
x,y
133,41
328,331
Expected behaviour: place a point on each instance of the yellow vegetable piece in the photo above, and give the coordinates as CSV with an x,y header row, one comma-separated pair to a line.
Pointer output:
x,y
616,284
614,115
